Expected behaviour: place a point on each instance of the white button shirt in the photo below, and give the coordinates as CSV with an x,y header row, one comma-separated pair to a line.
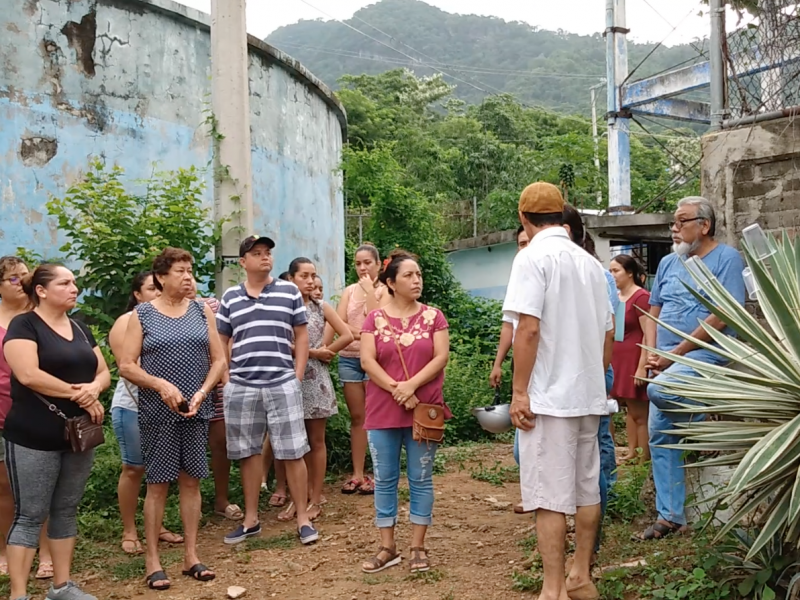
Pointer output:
x,y
562,285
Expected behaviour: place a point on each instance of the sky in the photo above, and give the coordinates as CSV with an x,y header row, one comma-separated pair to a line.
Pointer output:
x,y
573,16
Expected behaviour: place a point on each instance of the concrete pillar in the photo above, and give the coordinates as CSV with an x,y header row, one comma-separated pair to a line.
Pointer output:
x,y
230,102
619,145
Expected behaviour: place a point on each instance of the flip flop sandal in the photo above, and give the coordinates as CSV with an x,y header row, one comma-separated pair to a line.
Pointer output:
x,y
175,538
351,487
367,487
137,546
196,573
417,563
278,500
232,512
319,511
156,577
45,570
288,513
378,565
658,531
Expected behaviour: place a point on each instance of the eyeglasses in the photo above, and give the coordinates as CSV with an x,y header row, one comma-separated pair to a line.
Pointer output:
x,y
679,223
14,280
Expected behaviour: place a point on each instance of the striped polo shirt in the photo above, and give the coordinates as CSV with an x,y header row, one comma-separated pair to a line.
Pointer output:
x,y
262,330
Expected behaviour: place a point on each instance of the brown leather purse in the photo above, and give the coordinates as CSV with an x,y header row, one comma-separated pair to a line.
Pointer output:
x,y
428,418
81,432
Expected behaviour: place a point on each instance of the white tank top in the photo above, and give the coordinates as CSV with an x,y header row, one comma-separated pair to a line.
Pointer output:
x,y
126,396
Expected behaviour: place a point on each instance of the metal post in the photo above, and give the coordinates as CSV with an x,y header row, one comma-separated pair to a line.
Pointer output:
x,y
360,229
619,146
474,216
717,64
596,141
230,102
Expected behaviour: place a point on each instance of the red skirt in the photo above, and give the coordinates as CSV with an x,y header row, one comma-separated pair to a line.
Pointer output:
x,y
625,360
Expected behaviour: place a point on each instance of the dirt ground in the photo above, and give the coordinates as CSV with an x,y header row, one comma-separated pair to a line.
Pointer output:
x,y
474,548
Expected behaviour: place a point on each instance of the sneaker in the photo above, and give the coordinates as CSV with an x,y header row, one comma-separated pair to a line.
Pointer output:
x,y
241,533
308,535
68,592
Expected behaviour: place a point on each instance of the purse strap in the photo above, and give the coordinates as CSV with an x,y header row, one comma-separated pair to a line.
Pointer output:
x,y
397,344
50,406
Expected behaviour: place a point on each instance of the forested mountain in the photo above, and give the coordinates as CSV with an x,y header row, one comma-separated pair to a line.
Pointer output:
x,y
488,55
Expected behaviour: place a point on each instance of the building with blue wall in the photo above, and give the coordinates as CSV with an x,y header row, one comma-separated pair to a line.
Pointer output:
x,y
128,80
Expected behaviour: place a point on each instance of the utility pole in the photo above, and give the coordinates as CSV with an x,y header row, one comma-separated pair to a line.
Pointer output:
x,y
230,102
596,138
717,64
619,142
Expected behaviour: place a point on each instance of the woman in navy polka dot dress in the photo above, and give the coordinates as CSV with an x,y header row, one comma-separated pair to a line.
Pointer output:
x,y
182,359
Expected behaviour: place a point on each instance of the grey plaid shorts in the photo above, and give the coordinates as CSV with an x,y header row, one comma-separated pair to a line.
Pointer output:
x,y
252,411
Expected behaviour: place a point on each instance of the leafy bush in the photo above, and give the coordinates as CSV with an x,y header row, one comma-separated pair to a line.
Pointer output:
x,y
113,233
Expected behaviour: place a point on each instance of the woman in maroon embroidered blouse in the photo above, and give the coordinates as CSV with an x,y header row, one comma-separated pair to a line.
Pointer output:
x,y
629,359
421,333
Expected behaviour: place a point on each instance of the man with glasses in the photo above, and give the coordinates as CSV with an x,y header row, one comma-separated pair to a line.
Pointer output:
x,y
692,235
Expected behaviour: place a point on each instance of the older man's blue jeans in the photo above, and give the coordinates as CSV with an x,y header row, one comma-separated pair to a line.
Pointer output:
x,y
668,472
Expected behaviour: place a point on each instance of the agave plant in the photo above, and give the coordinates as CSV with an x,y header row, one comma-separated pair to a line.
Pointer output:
x,y
756,396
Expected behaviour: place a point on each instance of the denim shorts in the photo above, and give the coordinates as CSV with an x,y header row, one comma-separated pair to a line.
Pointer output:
x,y
126,429
350,370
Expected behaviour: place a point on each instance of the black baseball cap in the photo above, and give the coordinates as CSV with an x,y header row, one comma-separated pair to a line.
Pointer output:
x,y
248,243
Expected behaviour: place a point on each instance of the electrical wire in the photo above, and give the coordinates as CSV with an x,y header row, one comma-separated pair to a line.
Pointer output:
x,y
377,41
657,141
461,68
663,18
658,45
673,185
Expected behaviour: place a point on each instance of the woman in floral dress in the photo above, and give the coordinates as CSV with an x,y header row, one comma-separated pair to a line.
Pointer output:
x,y
421,334
319,397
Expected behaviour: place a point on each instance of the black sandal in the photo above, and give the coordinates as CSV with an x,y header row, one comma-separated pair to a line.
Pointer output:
x,y
196,573
154,578
658,531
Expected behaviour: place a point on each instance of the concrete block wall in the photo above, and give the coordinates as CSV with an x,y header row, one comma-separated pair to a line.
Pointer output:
x,y
752,174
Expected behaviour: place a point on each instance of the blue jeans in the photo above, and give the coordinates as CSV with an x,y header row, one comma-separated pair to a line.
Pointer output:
x,y
608,461
384,446
126,429
668,472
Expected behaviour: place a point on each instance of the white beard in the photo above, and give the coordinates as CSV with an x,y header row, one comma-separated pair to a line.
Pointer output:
x,y
685,248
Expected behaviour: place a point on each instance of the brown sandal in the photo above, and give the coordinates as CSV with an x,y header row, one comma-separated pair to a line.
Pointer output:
x,y
377,565
288,513
419,564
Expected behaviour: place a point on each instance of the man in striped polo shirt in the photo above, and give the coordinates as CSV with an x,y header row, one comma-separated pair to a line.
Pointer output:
x,y
263,317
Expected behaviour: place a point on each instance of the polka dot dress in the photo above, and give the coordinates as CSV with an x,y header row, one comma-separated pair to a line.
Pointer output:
x,y
178,351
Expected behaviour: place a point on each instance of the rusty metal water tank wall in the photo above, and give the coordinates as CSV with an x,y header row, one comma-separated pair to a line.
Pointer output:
x,y
128,80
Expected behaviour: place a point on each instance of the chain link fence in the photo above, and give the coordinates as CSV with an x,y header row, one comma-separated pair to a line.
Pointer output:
x,y
762,55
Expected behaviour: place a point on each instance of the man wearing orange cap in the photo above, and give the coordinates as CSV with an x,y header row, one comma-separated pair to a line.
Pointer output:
x,y
557,295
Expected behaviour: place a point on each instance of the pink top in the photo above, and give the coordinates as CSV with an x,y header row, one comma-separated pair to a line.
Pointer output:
x,y
5,383
416,340
356,314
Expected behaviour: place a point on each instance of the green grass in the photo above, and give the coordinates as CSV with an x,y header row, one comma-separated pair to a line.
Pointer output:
x,y
283,541
498,475
432,576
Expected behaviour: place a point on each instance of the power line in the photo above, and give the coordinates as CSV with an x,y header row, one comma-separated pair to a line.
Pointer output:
x,y
663,18
659,44
377,41
479,70
657,141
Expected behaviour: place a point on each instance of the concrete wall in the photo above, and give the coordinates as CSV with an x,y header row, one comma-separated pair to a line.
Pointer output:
x,y
752,174
484,271
128,80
